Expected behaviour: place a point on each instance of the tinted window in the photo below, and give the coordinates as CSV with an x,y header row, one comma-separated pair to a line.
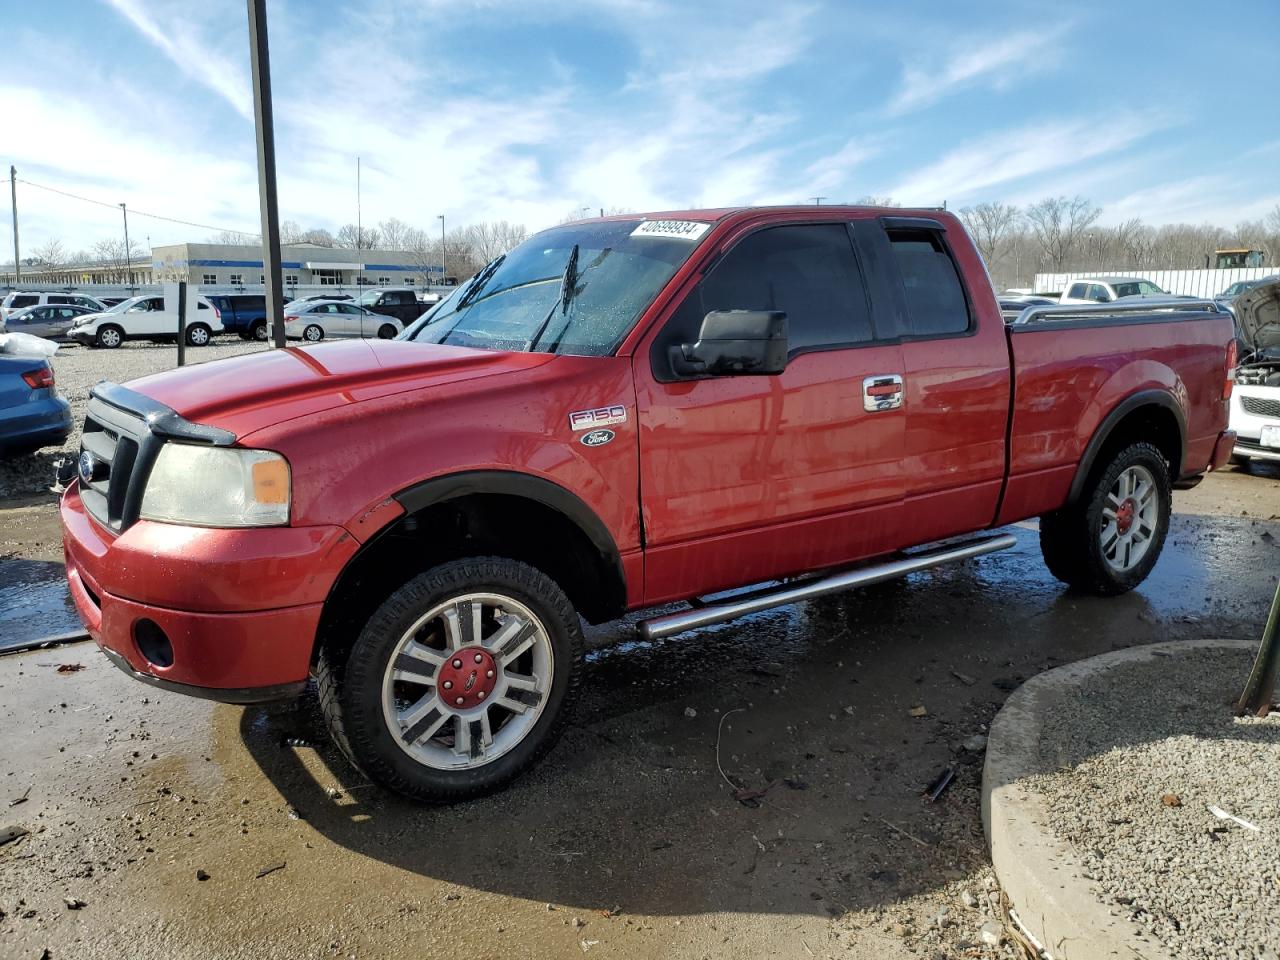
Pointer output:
x,y
936,303
808,272
1078,291
58,298
23,300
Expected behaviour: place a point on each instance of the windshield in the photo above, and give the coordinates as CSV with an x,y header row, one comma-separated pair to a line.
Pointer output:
x,y
369,297
516,303
1138,288
123,305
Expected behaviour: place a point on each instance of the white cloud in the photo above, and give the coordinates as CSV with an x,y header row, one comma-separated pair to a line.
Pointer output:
x,y
174,35
979,60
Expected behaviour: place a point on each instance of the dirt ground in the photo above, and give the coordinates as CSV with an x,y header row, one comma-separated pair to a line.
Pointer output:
x,y
626,841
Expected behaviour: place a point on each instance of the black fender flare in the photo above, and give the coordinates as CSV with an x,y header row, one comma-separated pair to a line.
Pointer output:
x,y
1143,398
523,485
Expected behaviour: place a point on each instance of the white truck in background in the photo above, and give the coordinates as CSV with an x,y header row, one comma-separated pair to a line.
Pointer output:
x,y
149,317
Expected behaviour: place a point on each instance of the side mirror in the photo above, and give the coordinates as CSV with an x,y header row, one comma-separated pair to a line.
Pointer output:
x,y
734,343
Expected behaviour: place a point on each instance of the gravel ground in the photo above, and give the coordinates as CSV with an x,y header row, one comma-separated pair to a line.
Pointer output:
x,y
1137,775
78,368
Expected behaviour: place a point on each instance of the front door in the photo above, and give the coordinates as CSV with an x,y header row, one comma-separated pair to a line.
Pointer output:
x,y
749,478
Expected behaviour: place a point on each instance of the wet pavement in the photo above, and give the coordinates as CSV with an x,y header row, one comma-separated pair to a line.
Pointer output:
x,y
626,840
34,602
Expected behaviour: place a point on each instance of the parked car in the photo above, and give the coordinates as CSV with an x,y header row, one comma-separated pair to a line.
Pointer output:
x,y
147,318
319,320
1240,286
16,300
1108,289
1011,307
428,298
1255,402
242,313
49,321
32,415
617,415
399,302
320,296
112,301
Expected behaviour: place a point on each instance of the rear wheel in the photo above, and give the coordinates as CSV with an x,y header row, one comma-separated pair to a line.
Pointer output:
x,y
313,333
259,332
1109,540
386,332
109,337
460,681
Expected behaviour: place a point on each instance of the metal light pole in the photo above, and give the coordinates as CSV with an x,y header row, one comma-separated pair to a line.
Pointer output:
x,y
443,259
128,263
264,128
13,195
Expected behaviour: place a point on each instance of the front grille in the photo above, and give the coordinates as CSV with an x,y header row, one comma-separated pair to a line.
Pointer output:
x,y
1260,406
113,438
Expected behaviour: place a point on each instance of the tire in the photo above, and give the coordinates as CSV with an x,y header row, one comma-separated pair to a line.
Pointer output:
x,y
385,703
1240,459
244,335
198,335
259,333
1109,540
386,332
109,337
313,334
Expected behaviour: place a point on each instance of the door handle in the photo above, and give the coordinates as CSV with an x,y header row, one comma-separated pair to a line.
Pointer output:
x,y
883,392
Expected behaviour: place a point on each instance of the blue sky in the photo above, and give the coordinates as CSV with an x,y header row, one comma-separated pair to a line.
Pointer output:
x,y
526,110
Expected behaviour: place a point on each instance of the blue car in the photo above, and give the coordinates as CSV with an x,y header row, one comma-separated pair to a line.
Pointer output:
x,y
32,415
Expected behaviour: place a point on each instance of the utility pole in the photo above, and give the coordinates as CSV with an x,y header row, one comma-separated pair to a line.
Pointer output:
x,y
817,201
13,196
443,259
128,263
264,129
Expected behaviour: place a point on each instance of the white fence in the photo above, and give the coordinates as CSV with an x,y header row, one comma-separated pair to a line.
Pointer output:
x,y
1195,283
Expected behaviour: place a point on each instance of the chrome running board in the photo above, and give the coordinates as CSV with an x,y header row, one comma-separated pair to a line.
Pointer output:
x,y
730,609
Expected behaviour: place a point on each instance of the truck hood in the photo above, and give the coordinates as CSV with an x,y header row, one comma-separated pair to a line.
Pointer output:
x,y
1258,316
243,394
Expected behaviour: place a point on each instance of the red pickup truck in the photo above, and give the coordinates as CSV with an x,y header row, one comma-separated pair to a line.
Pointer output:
x,y
619,414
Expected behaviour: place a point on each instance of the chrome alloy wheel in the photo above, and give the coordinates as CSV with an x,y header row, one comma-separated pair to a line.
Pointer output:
x,y
1130,518
467,681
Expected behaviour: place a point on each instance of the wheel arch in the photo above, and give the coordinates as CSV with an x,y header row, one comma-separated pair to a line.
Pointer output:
x,y
477,513
1151,415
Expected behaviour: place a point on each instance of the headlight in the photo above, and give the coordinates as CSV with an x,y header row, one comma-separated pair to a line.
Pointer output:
x,y
81,321
217,487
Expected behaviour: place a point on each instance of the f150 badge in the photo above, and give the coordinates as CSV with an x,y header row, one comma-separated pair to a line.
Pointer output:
x,y
600,417
597,438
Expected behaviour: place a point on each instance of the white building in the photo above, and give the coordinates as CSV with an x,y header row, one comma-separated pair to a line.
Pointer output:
x,y
210,265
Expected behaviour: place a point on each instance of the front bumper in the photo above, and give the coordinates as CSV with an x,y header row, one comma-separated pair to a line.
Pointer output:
x,y
238,609
1248,425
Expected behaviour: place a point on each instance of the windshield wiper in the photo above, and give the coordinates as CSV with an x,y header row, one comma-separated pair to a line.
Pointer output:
x,y
476,285
568,283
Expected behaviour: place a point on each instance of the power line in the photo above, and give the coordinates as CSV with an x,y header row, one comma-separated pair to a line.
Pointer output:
x,y
135,212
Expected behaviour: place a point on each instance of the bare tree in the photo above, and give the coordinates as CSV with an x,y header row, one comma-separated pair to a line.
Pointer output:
x,y
234,238
990,225
357,238
871,200
290,232
394,234
52,254
112,256
319,237
1057,224
492,238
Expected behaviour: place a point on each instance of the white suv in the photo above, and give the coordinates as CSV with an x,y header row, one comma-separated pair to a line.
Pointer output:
x,y
17,300
1108,289
148,318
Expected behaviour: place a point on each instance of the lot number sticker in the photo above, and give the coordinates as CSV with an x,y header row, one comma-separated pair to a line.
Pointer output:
x,y
677,229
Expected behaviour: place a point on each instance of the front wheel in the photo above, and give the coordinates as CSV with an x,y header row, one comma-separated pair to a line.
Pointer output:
x,y
198,335
461,680
109,337
386,332
1110,539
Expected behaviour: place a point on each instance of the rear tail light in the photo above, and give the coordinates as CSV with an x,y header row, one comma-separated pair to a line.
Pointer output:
x,y
1233,357
39,379
217,315
290,318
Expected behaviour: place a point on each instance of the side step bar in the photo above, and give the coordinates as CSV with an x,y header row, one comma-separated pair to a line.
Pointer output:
x,y
673,623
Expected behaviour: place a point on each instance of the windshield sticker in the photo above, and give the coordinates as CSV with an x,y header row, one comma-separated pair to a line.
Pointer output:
x,y
600,417
678,229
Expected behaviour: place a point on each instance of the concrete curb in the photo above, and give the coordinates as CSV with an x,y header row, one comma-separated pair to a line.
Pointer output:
x,y
1040,874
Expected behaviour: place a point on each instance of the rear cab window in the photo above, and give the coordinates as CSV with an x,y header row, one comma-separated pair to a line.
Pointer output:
x,y
937,305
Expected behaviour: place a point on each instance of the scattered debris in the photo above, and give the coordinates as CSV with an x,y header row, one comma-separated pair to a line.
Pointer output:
x,y
795,783
1223,815
70,667
452,896
270,868
296,742
201,875
748,795
587,944
579,923
1171,800
900,930
976,744
964,678
968,899
992,933
22,799
940,784
690,712
11,833
611,912
919,711
897,829
74,903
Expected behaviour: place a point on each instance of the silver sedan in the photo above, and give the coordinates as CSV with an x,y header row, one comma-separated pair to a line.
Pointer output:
x,y
53,321
323,319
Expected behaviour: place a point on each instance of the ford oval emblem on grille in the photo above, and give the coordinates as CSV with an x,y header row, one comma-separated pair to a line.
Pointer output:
x,y
597,438
88,466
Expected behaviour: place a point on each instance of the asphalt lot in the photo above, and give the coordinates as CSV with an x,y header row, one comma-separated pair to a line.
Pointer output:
x,y
626,840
